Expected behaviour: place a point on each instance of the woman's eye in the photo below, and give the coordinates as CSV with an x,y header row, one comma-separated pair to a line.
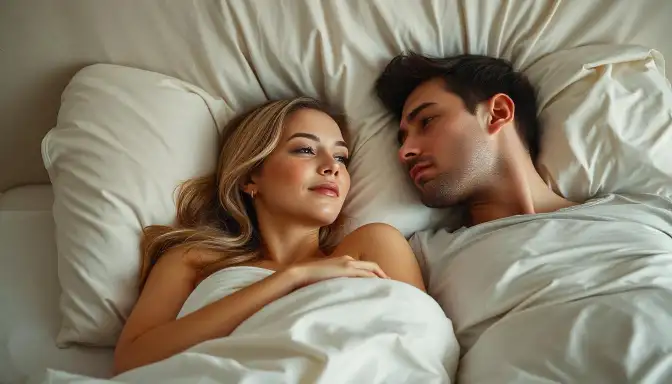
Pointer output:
x,y
306,150
342,159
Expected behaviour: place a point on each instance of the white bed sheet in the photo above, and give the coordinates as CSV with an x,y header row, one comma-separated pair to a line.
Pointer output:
x,y
29,293
205,43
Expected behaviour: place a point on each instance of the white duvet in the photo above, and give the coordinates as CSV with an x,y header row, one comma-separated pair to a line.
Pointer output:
x,y
580,295
583,294
337,331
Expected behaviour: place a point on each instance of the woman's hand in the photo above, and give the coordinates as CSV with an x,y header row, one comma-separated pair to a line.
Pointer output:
x,y
385,245
344,266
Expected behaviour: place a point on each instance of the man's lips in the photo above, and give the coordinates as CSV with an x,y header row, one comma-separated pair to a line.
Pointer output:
x,y
417,170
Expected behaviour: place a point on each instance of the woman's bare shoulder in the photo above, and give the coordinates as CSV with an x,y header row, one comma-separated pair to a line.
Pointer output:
x,y
365,238
375,230
385,245
190,257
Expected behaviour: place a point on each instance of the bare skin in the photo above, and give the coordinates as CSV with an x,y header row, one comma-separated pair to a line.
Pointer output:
x,y
290,208
473,159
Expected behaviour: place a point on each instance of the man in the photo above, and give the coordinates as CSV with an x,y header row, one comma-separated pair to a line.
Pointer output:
x,y
539,288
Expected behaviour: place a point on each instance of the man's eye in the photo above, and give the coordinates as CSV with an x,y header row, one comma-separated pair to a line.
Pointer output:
x,y
426,121
401,137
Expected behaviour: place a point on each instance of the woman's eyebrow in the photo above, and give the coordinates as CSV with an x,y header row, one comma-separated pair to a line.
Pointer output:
x,y
310,136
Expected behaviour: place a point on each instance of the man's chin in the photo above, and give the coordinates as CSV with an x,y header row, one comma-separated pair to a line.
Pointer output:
x,y
431,198
433,202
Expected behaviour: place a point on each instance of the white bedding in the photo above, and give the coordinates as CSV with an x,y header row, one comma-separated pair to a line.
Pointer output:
x,y
125,137
603,318
206,43
233,48
581,295
29,293
336,331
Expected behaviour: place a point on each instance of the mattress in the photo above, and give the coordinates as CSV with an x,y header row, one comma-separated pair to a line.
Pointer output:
x,y
29,293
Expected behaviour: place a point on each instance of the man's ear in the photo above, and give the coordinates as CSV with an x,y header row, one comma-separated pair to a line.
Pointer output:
x,y
501,111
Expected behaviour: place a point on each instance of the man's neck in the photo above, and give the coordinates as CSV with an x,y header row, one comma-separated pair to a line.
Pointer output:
x,y
516,190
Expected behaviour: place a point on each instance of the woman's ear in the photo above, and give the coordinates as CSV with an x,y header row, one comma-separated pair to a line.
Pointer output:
x,y
249,186
501,110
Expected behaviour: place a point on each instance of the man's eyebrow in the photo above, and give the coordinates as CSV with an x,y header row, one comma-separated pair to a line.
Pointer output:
x,y
414,113
401,134
310,136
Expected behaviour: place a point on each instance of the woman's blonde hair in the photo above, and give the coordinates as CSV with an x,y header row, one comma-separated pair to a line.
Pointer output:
x,y
213,213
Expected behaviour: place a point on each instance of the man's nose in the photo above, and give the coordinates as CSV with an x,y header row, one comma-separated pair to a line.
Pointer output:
x,y
408,150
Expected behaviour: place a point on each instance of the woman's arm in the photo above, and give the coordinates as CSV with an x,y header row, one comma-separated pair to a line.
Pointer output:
x,y
152,332
386,246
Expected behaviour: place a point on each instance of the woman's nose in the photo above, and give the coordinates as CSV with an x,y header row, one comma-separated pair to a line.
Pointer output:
x,y
330,168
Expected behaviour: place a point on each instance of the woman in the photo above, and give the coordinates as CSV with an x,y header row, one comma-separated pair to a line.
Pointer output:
x,y
274,206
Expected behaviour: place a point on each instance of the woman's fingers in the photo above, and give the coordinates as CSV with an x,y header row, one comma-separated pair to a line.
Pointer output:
x,y
379,271
369,266
356,272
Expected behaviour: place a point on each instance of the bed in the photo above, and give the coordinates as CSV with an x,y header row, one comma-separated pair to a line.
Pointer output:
x,y
229,54
31,318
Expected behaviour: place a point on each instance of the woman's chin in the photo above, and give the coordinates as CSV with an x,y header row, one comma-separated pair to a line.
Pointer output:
x,y
324,219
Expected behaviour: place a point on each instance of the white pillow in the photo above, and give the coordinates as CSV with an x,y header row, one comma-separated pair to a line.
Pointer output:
x,y
123,141
606,112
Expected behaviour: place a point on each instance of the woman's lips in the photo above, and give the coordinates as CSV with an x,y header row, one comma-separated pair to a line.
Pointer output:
x,y
327,189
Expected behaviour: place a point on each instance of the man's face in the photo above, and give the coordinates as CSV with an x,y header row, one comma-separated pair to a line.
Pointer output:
x,y
445,148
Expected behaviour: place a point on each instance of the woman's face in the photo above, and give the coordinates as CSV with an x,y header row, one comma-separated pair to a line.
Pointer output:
x,y
305,178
